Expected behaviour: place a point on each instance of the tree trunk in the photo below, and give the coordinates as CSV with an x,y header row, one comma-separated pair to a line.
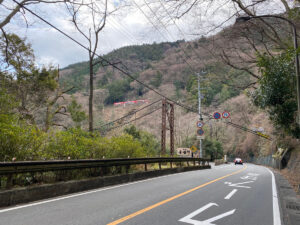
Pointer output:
x,y
91,96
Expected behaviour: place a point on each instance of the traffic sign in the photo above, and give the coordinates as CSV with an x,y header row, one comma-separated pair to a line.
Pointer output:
x,y
194,148
225,114
217,115
200,124
200,137
200,132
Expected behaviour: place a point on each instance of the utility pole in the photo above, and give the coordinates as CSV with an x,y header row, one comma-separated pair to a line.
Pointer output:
x,y
163,127
166,113
199,112
171,125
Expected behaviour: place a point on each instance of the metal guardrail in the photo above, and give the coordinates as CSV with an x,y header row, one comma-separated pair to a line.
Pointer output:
x,y
7,168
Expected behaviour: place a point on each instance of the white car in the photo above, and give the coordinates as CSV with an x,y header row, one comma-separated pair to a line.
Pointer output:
x,y
238,161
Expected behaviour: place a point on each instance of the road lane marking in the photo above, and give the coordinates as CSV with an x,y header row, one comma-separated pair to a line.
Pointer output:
x,y
250,176
188,218
238,184
82,193
123,219
276,212
231,194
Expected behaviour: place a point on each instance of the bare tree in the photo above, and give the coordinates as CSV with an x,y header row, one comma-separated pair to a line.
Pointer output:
x,y
14,7
10,9
239,45
89,20
53,108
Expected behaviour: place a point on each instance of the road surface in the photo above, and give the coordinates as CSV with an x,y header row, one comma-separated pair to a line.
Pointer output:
x,y
223,195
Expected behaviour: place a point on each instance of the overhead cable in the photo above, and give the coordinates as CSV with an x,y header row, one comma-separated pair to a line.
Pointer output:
x,y
129,114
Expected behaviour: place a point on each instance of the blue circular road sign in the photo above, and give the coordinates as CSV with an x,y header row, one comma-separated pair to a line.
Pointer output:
x,y
217,115
200,132
200,124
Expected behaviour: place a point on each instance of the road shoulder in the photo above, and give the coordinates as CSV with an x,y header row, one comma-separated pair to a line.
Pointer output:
x,y
289,202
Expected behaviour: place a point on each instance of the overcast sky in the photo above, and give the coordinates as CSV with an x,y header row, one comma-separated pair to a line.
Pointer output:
x,y
130,27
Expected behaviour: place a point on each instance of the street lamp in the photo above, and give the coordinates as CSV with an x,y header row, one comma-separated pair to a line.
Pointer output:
x,y
246,18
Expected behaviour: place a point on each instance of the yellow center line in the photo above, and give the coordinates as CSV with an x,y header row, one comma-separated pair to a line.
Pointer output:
x,y
171,199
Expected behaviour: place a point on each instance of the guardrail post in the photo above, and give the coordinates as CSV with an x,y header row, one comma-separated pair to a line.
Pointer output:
x,y
171,165
145,166
9,181
188,163
194,163
101,171
119,169
127,169
159,165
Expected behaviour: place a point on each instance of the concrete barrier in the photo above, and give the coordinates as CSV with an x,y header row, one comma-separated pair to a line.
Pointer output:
x,y
30,194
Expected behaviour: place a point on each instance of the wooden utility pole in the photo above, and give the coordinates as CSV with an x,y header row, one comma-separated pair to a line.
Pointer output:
x,y
163,127
166,112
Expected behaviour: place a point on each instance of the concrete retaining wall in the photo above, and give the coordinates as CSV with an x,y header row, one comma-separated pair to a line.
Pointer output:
x,y
29,194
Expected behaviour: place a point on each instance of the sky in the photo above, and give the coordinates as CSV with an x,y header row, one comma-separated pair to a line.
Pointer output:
x,y
129,26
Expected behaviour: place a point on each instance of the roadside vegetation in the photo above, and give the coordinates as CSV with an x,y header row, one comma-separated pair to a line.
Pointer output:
x,y
29,110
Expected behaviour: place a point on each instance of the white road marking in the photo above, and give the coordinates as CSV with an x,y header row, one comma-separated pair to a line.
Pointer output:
x,y
231,194
250,176
80,194
253,174
188,218
238,184
276,212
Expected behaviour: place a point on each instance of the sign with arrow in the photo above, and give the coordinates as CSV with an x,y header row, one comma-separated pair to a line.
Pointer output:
x,y
194,148
200,124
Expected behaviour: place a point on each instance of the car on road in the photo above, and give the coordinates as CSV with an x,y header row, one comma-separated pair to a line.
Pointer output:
x,y
238,161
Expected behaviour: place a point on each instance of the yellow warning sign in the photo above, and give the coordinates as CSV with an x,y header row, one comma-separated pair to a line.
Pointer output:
x,y
194,148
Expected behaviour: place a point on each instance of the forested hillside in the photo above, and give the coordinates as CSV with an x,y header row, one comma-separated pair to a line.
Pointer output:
x,y
164,67
156,65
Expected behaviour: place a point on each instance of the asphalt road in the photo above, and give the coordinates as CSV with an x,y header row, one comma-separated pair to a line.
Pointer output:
x,y
226,194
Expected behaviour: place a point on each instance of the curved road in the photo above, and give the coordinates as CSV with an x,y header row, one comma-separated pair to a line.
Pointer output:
x,y
223,195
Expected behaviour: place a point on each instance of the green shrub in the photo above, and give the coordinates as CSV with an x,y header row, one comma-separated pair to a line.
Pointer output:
x,y
19,140
148,141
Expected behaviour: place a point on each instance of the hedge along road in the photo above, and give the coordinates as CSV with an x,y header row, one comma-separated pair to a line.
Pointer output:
x,y
223,195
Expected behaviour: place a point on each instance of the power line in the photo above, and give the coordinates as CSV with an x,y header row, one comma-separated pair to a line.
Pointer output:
x,y
123,71
142,11
180,30
189,65
147,114
129,114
